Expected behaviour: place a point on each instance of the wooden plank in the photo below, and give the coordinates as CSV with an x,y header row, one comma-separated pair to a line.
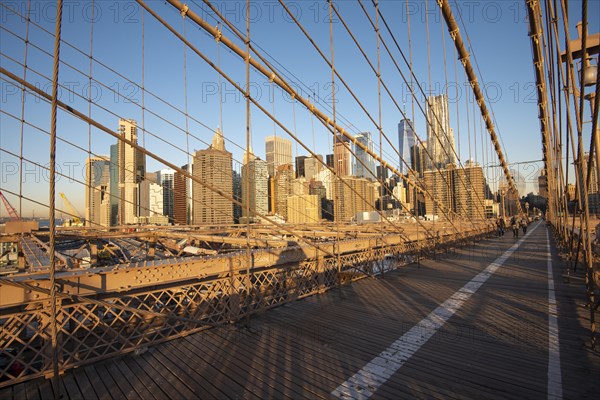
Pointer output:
x,y
141,373
185,382
169,382
31,390
210,377
112,389
97,384
84,384
250,374
7,393
134,379
274,364
71,387
44,388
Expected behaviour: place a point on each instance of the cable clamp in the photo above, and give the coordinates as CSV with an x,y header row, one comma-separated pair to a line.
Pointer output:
x,y
218,35
454,33
184,10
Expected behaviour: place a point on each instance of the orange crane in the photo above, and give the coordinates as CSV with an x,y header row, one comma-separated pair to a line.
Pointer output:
x,y
12,213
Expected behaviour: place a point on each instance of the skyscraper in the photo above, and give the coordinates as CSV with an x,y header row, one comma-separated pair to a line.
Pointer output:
x,y
342,156
180,194
406,143
304,209
418,155
97,194
237,195
278,152
330,160
440,137
167,180
469,191
352,196
312,167
114,184
255,186
284,176
156,192
213,166
132,171
440,187
456,191
365,163
300,166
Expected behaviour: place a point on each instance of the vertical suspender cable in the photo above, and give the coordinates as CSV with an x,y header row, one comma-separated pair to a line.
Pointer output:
x,y
189,212
246,200
26,52
337,168
52,203
381,180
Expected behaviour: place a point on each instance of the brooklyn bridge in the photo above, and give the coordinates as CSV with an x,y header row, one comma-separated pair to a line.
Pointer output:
x,y
299,199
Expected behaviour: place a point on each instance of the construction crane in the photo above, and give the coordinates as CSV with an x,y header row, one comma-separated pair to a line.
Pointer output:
x,y
12,213
77,219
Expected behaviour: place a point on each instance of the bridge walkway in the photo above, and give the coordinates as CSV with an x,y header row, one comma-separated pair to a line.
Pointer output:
x,y
470,324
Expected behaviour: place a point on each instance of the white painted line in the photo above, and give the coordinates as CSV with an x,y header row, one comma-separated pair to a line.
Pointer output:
x,y
365,382
554,372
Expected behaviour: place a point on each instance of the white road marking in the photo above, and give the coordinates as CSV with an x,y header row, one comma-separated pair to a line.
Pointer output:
x,y
365,382
554,373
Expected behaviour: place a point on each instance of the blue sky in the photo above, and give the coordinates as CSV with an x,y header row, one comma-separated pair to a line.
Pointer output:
x,y
131,49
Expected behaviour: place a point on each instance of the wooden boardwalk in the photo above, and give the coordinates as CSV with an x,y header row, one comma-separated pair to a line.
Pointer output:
x,y
495,345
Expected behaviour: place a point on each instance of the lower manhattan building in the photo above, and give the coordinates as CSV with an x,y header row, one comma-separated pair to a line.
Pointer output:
x,y
469,191
439,186
283,189
132,172
458,191
214,167
342,154
304,209
352,196
255,186
97,194
364,167
180,195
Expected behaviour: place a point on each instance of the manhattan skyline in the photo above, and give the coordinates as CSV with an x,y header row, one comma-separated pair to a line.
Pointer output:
x,y
215,103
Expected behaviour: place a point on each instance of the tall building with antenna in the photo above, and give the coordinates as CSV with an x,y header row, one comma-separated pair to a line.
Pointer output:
x,y
440,137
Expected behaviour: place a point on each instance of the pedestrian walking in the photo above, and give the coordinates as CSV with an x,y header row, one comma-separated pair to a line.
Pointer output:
x,y
500,226
524,225
514,225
